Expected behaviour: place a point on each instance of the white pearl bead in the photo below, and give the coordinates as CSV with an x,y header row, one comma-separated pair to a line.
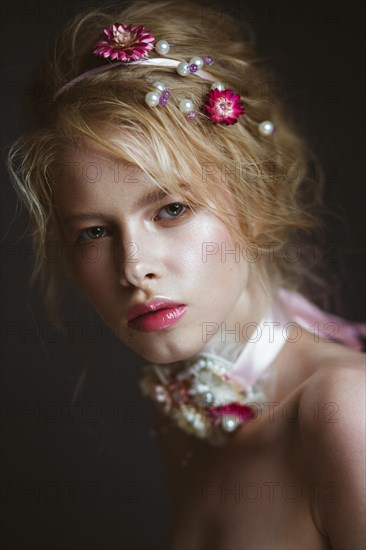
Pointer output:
x,y
159,85
229,424
197,61
219,85
186,106
207,398
152,99
183,68
266,128
162,47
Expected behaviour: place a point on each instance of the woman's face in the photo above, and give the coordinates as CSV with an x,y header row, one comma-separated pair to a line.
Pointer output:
x,y
131,245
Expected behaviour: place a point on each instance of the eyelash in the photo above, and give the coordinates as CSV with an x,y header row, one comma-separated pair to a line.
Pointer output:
x,y
81,237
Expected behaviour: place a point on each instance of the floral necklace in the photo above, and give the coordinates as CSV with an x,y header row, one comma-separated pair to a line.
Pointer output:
x,y
212,393
200,396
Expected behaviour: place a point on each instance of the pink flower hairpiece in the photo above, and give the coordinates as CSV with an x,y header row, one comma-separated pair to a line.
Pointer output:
x,y
125,43
132,44
224,106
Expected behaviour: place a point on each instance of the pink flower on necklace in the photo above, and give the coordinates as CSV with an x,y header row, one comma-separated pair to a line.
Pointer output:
x,y
224,106
242,412
125,43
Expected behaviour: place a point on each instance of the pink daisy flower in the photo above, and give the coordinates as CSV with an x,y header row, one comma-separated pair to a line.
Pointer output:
x,y
242,412
125,43
224,106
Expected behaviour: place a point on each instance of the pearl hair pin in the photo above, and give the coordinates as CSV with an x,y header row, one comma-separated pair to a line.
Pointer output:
x,y
183,69
266,128
195,64
218,86
159,96
186,106
162,47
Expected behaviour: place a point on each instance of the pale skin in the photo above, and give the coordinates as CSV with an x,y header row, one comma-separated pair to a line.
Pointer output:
x,y
318,454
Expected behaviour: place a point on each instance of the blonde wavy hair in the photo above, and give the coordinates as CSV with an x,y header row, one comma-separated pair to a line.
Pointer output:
x,y
267,179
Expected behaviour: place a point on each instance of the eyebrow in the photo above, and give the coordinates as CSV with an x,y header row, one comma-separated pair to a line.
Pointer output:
x,y
144,200
150,197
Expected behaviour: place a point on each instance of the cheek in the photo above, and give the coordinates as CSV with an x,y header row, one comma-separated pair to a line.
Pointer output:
x,y
94,269
210,251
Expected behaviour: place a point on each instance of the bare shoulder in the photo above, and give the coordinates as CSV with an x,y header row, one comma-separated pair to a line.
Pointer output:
x,y
339,383
333,427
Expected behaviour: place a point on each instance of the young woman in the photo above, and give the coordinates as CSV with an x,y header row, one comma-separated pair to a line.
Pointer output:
x,y
183,204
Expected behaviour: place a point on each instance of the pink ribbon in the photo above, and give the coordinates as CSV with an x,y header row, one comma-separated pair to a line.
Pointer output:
x,y
156,62
269,339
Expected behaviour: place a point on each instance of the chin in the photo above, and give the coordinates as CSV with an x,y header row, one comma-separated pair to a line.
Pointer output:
x,y
165,353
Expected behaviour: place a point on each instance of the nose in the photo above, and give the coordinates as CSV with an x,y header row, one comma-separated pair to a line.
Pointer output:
x,y
140,263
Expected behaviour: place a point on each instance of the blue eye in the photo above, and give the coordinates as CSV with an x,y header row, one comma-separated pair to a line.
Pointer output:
x,y
174,210
92,234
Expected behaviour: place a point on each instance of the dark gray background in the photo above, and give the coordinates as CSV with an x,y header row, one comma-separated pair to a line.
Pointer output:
x,y
95,479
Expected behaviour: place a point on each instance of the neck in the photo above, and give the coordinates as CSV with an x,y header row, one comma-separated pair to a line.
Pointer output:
x,y
232,336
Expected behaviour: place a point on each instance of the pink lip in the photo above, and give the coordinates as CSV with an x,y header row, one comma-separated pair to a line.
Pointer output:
x,y
154,305
155,315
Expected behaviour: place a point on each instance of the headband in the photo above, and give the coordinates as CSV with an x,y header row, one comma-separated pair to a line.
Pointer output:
x,y
131,45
